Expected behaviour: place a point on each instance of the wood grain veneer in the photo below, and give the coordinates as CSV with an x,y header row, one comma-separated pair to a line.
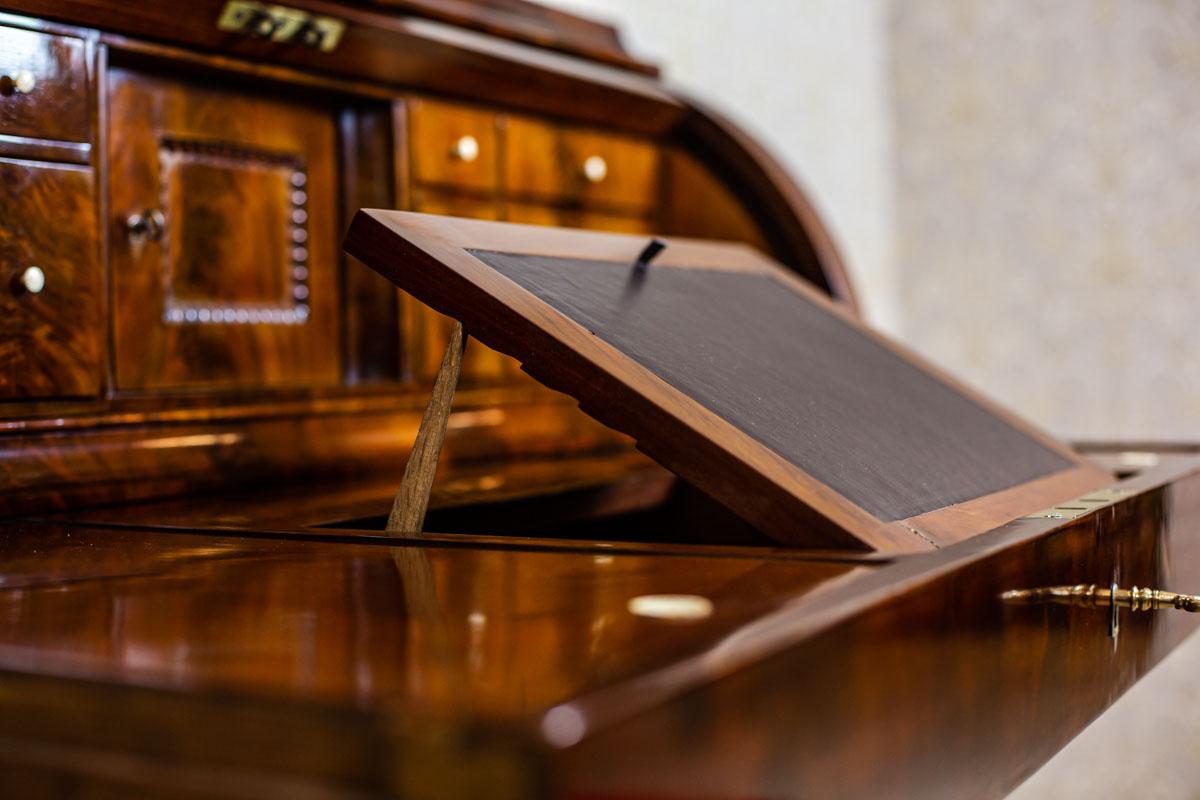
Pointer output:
x,y
52,344
246,185
59,106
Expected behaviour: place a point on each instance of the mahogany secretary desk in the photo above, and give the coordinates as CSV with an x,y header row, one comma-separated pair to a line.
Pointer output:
x,y
207,406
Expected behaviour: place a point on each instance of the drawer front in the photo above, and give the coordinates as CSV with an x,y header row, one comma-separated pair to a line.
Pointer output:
x,y
533,159
224,237
606,169
43,86
453,146
51,294
579,167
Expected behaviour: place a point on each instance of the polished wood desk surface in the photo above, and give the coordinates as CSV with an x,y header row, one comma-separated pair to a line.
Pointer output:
x,y
488,632
328,662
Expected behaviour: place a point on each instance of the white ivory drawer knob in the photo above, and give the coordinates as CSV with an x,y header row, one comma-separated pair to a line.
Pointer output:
x,y
595,169
466,148
33,280
22,82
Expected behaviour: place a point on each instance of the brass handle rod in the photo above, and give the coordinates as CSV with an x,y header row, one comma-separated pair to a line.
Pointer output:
x,y
1093,596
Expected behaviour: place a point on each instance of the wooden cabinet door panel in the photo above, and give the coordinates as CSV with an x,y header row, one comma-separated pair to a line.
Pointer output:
x,y
51,286
234,282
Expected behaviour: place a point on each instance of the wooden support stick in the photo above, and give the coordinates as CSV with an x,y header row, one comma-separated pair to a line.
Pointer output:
x,y
412,499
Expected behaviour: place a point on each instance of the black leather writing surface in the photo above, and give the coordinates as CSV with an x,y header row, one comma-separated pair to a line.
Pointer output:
x,y
825,396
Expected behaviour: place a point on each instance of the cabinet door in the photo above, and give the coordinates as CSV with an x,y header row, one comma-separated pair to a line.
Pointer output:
x,y
51,287
224,246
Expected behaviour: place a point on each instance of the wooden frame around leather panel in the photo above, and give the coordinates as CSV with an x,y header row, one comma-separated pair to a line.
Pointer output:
x,y
722,460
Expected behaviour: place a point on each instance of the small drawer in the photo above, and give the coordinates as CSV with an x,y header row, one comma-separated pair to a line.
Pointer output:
x,y
533,159
43,86
452,145
608,169
51,290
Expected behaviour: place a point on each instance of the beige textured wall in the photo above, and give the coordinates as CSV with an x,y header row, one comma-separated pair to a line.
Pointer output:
x,y
1047,190
1047,194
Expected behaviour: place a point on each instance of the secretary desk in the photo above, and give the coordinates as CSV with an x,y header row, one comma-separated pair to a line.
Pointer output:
x,y
207,404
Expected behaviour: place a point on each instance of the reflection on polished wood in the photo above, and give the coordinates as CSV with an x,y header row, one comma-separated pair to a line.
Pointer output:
x,y
499,633
811,677
198,597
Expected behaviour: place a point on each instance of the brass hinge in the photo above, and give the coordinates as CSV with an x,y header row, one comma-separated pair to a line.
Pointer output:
x,y
1081,505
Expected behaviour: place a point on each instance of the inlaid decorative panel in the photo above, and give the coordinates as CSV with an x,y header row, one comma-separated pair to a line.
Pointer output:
x,y
236,240
224,241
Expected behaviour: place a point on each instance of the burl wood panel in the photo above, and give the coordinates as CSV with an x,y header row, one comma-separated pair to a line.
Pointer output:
x,y
241,287
52,343
55,463
59,105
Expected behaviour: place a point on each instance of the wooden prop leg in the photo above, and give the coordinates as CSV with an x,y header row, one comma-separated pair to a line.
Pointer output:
x,y
412,500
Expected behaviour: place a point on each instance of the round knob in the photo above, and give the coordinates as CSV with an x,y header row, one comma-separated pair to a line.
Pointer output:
x,y
595,169
145,225
466,148
24,81
20,83
32,280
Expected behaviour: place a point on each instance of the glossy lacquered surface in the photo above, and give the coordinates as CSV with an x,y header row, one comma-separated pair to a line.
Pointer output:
x,y
43,86
472,663
147,334
934,687
240,288
449,629
52,341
